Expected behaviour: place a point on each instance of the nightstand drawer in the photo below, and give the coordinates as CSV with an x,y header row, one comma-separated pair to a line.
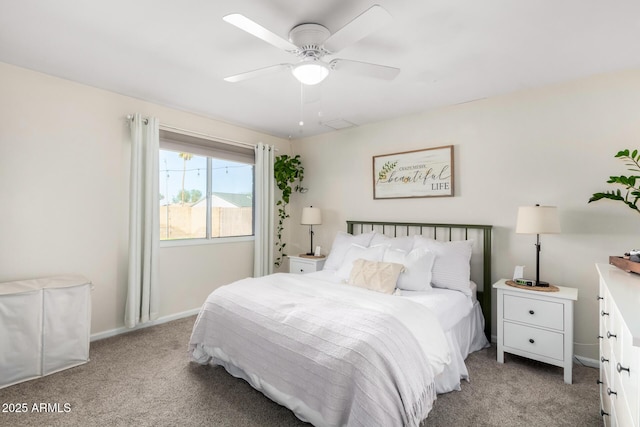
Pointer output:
x,y
304,265
533,340
535,312
301,267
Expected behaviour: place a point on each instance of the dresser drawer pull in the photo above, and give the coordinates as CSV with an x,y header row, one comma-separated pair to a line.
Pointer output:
x,y
609,335
602,413
600,337
599,297
610,392
599,382
603,313
620,368
602,359
531,340
531,312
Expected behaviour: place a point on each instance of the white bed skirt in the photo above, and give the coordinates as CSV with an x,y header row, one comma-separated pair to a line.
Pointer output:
x,y
466,336
297,406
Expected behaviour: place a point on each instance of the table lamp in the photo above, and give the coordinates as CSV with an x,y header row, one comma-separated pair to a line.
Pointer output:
x,y
538,220
311,216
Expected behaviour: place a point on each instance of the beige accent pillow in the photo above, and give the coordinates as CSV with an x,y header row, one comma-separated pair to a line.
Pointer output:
x,y
374,275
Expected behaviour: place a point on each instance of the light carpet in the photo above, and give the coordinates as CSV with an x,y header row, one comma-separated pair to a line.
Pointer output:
x,y
144,378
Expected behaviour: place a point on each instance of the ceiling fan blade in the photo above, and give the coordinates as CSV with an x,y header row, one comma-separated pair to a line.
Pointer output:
x,y
259,31
257,73
361,26
365,69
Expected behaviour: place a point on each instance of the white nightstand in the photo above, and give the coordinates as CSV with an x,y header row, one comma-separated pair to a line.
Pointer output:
x,y
305,264
537,325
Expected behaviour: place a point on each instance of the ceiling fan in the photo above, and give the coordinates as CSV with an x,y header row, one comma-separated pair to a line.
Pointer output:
x,y
311,42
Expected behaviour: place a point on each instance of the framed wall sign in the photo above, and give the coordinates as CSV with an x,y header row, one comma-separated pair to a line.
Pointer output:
x,y
419,173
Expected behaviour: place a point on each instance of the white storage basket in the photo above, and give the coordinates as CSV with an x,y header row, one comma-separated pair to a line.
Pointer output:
x,y
44,326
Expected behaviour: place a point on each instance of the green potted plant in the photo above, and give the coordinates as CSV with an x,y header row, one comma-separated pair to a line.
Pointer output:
x,y
632,191
287,171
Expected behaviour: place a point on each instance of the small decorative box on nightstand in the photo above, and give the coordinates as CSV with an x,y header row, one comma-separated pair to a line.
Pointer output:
x,y
306,264
537,325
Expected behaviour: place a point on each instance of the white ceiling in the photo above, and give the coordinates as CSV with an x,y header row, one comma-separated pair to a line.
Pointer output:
x,y
177,52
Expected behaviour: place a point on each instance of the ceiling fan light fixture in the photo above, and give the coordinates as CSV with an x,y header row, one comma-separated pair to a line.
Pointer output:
x,y
310,72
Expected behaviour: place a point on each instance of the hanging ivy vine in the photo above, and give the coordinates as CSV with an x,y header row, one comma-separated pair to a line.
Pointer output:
x,y
287,171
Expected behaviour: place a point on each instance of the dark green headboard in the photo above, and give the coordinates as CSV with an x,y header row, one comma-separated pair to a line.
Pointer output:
x,y
480,259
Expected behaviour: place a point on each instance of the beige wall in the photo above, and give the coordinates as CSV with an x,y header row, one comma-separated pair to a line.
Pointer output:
x,y
64,170
552,146
64,149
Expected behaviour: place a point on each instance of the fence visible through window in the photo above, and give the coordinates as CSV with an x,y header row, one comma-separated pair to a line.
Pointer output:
x,y
204,197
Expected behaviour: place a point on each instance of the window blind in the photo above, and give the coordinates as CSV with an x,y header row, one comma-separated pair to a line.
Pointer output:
x,y
205,147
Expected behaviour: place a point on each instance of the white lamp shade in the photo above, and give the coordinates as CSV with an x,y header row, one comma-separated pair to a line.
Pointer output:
x,y
310,73
538,220
311,216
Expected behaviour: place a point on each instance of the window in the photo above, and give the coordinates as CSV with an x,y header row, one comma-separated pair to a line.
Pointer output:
x,y
206,188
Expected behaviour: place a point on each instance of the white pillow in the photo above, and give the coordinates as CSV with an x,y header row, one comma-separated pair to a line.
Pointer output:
x,y
376,276
355,252
340,246
417,267
451,268
402,243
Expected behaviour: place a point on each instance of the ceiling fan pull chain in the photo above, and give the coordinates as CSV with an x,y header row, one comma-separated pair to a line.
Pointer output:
x,y
301,123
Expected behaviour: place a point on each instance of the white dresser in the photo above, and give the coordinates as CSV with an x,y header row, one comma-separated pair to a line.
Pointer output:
x,y
619,336
537,325
44,326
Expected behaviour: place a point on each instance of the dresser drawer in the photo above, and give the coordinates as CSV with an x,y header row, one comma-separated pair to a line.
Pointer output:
x,y
630,380
535,312
605,353
605,310
620,402
605,399
533,340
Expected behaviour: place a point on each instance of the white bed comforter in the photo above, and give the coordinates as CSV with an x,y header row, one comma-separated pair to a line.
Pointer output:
x,y
334,354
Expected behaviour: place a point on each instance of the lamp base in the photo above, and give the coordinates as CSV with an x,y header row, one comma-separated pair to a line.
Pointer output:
x,y
532,282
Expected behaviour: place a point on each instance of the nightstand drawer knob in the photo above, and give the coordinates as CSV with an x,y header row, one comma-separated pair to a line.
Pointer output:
x,y
609,335
602,413
600,337
610,392
602,359
599,297
531,312
620,368
531,340
603,313
599,382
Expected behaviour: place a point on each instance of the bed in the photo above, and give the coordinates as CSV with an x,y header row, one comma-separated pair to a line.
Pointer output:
x,y
369,340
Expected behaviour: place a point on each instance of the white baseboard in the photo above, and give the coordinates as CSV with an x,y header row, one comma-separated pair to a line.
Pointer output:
x,y
163,319
592,363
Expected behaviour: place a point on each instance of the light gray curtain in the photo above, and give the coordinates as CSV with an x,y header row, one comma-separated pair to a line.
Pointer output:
x,y
264,210
144,232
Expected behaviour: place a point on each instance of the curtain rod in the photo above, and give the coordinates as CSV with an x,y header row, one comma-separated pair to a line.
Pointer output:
x,y
203,135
